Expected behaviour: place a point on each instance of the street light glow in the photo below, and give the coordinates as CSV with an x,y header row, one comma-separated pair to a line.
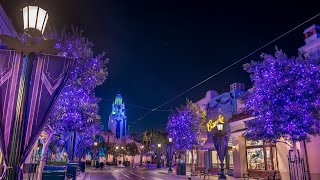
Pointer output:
x,y
170,140
34,17
220,126
117,147
159,145
95,143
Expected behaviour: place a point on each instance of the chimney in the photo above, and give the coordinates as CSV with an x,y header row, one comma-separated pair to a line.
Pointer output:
x,y
237,87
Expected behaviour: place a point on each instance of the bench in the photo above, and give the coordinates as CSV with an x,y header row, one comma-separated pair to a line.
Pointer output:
x,y
198,171
211,172
262,175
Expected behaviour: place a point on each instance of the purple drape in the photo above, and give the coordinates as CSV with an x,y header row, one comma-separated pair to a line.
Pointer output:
x,y
221,145
10,74
29,108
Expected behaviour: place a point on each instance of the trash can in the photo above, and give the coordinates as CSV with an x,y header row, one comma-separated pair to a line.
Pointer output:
x,y
158,164
97,164
82,166
181,169
72,170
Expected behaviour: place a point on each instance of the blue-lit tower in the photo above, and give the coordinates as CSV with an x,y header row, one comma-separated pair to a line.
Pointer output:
x,y
118,120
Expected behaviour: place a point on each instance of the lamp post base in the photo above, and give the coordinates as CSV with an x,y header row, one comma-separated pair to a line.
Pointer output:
x,y
222,176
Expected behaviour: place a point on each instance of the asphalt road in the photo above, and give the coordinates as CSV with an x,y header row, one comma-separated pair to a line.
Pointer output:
x,y
126,174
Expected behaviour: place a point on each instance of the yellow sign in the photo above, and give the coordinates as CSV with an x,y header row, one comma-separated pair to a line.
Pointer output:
x,y
212,124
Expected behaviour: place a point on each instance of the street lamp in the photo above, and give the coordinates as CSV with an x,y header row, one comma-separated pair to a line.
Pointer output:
x,y
221,135
220,127
159,145
170,155
95,144
141,149
35,18
116,156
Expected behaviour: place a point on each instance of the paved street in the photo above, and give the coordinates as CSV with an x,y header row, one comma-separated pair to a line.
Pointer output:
x,y
126,174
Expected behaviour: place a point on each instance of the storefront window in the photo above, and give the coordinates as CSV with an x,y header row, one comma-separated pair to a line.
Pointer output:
x,y
189,157
215,159
261,155
255,158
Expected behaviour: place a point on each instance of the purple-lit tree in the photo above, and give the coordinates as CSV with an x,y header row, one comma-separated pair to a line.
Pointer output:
x,y
76,111
285,98
184,127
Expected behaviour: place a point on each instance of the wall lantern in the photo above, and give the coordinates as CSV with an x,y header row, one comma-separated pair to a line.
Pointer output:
x,y
34,17
220,126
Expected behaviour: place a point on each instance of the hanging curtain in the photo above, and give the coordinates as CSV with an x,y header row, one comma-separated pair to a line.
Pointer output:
x,y
29,87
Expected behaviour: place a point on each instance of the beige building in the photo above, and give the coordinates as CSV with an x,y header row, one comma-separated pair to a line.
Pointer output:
x,y
243,154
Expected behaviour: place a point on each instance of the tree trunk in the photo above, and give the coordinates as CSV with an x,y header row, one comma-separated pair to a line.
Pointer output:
x,y
294,147
44,158
192,161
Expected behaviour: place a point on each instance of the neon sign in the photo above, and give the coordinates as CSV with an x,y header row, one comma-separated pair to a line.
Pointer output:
x,y
212,124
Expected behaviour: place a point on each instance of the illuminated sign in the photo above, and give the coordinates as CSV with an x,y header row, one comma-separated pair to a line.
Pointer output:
x,y
212,124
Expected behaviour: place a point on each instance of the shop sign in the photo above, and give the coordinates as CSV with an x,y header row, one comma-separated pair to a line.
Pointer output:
x,y
212,124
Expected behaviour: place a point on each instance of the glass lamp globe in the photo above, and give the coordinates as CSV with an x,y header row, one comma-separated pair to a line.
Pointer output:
x,y
220,126
34,17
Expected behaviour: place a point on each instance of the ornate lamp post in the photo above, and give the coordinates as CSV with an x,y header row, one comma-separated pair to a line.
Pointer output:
x,y
141,149
221,134
116,156
159,156
122,154
95,144
170,154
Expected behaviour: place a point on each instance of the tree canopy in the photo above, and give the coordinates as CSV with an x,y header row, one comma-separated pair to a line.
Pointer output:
x,y
184,126
285,97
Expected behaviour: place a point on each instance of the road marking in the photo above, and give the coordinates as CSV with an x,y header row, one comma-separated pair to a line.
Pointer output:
x,y
126,175
144,177
137,175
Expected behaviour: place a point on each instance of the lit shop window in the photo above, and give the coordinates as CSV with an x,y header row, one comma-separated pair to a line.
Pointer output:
x,y
261,155
255,158
189,157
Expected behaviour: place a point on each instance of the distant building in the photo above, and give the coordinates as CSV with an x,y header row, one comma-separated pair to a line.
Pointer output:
x,y
312,40
118,120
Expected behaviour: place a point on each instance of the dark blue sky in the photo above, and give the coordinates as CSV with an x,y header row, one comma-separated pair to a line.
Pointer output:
x,y
202,37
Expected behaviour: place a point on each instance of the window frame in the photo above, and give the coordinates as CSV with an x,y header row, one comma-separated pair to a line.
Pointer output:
x,y
263,146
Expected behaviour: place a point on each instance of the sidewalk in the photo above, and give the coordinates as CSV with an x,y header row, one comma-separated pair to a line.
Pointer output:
x,y
188,176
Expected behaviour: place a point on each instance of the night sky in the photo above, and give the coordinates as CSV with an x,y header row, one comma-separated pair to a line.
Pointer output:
x,y
158,49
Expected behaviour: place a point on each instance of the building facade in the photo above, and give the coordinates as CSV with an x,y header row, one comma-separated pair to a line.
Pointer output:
x,y
118,120
244,154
